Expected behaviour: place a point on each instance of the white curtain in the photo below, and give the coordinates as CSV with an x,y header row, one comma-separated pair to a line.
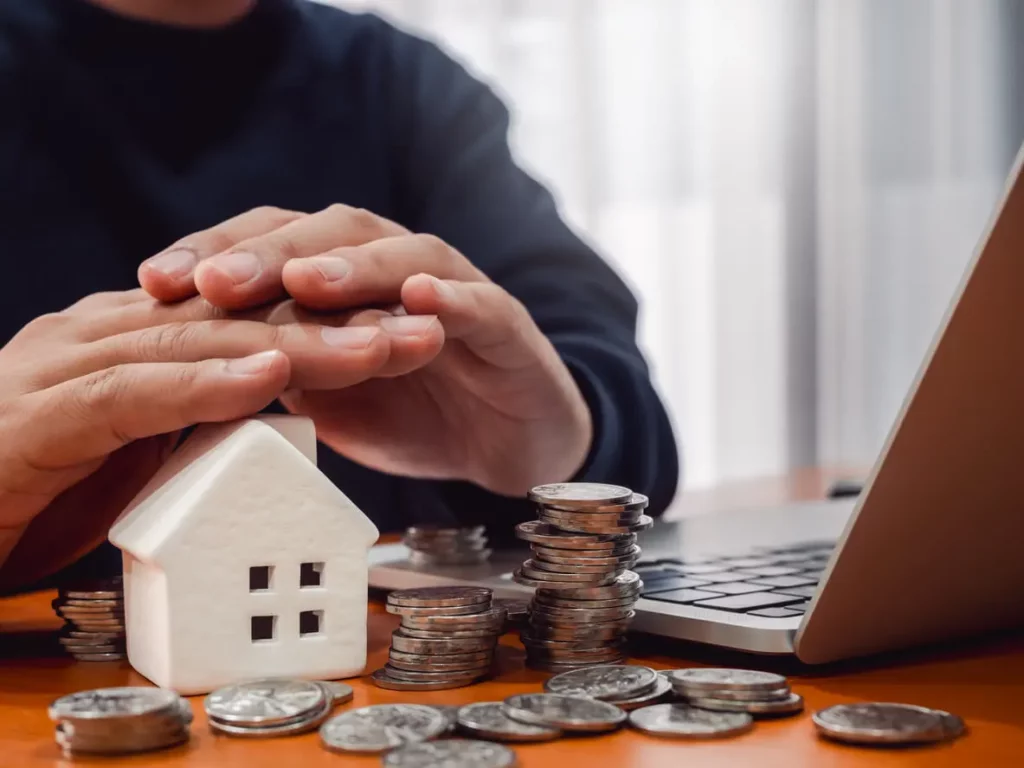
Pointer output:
x,y
791,187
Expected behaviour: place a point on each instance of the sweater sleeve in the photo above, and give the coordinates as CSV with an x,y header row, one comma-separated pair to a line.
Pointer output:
x,y
457,179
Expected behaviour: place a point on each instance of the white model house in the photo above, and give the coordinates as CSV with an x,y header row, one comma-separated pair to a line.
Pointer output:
x,y
242,561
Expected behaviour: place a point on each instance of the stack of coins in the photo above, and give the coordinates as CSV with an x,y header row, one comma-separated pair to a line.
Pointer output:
x,y
446,638
94,620
120,721
273,707
736,690
446,546
583,547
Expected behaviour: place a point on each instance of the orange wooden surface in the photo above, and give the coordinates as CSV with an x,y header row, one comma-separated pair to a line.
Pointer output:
x,y
983,681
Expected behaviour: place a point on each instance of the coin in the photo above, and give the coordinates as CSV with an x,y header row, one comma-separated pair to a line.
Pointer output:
x,y
264,702
450,712
575,580
307,721
433,531
626,584
570,713
684,721
580,495
381,727
403,642
451,753
953,725
100,656
780,694
880,723
340,693
491,618
430,597
556,519
585,557
612,682
106,703
708,679
790,705
441,658
382,679
444,610
636,503
487,719
472,558
111,588
474,673
575,526
559,602
484,633
558,616
661,688
537,532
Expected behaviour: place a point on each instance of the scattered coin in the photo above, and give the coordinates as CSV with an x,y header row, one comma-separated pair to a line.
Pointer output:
x,y
684,721
488,720
604,682
880,723
662,688
708,679
569,713
790,705
381,727
340,693
272,707
953,725
451,753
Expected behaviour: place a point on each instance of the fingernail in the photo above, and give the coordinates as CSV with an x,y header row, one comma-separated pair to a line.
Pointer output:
x,y
331,268
352,337
238,267
408,325
173,263
442,289
253,364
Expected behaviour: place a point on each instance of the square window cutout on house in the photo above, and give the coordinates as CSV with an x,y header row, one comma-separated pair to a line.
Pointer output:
x,y
263,628
309,623
311,575
259,578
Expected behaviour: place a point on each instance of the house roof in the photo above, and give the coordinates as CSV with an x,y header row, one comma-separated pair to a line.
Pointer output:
x,y
211,453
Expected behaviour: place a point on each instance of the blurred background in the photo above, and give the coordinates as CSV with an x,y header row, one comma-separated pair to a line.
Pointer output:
x,y
792,188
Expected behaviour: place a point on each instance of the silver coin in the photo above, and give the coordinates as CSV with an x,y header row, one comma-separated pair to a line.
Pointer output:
x,y
414,676
431,531
710,679
70,632
435,667
100,589
562,620
537,532
383,679
433,597
483,634
569,713
122,702
588,570
403,642
488,720
780,694
880,723
100,656
578,495
612,682
556,666
575,580
566,645
558,616
95,648
441,658
556,519
460,548
953,725
662,687
451,753
291,727
340,693
444,610
450,712
491,618
790,705
541,633
584,557
684,721
626,584
264,702
575,526
543,601
472,558
636,503
381,727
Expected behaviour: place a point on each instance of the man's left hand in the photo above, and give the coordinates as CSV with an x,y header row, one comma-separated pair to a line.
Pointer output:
x,y
496,407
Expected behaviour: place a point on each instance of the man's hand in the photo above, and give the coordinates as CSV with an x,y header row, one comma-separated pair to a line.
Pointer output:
x,y
96,394
496,407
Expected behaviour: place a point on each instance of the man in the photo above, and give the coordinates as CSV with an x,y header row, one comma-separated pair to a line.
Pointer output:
x,y
351,240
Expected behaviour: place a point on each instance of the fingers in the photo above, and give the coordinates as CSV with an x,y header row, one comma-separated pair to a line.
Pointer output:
x,y
492,323
168,276
322,356
90,416
249,272
372,273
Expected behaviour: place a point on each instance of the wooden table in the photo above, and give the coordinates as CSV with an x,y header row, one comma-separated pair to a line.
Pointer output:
x,y
982,681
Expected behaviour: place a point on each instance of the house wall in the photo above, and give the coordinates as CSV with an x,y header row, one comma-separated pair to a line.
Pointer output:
x,y
146,619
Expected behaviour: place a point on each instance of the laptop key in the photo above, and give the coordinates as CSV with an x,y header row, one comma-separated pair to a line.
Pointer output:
x,y
776,613
769,570
735,588
724,576
681,595
800,591
748,601
800,580
699,569
676,582
748,562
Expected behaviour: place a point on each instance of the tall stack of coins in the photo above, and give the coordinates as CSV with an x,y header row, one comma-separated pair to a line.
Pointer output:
x,y
120,721
93,613
583,547
446,546
446,638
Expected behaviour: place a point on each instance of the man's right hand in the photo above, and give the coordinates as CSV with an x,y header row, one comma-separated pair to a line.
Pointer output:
x,y
120,373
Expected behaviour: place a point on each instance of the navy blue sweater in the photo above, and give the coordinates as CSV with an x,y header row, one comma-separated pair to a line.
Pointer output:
x,y
118,137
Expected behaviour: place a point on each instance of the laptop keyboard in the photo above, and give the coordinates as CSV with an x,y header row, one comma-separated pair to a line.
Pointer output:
x,y
774,583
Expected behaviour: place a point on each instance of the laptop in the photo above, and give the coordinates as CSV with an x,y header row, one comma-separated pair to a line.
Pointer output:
x,y
932,548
